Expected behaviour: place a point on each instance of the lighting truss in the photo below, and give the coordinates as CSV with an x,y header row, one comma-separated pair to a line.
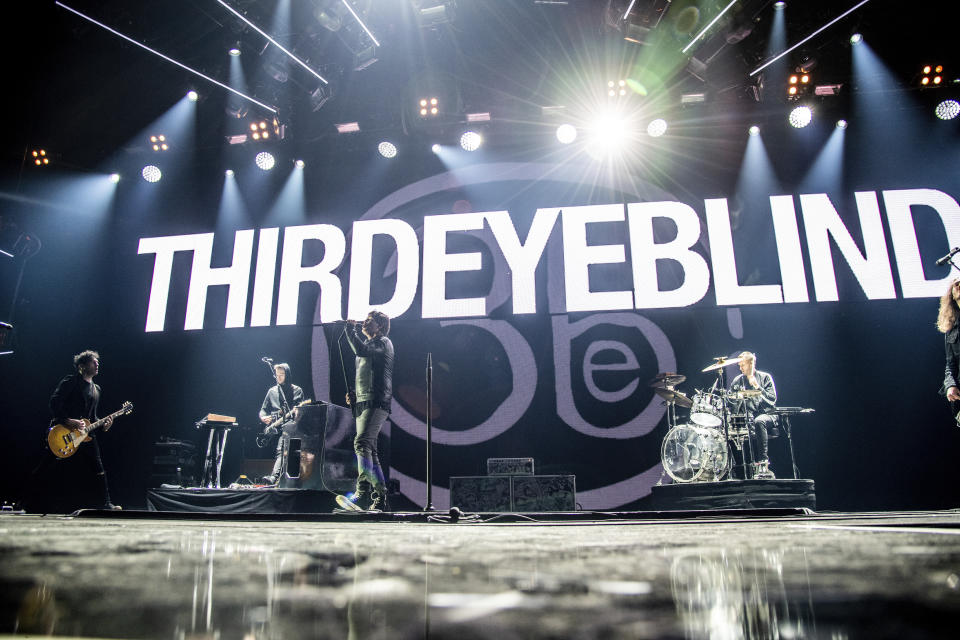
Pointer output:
x,y
273,42
812,35
167,58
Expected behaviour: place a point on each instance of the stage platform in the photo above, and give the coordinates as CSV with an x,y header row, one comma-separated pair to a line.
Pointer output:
x,y
736,494
241,501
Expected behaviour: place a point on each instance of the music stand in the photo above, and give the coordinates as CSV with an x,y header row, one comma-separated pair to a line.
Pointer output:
x,y
216,445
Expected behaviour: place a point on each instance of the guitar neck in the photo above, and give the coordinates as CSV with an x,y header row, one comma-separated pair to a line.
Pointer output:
x,y
99,423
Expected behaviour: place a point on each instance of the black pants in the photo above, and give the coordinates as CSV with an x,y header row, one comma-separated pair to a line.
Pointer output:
x,y
64,485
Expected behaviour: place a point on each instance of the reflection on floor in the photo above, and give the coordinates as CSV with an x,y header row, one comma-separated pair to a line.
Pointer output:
x,y
826,576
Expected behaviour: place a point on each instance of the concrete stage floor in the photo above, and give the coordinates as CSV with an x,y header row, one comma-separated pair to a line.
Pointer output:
x,y
822,576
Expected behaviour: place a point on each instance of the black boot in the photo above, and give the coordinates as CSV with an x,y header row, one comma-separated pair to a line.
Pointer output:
x,y
380,502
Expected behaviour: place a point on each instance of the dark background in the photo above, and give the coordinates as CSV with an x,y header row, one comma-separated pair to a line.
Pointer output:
x,y
881,437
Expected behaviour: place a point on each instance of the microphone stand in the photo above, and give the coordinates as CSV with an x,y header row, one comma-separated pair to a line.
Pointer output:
x,y
429,505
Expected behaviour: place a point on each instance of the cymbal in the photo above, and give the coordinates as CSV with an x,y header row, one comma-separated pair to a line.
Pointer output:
x,y
742,394
674,396
723,362
667,380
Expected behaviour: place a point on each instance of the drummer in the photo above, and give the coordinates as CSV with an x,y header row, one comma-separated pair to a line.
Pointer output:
x,y
756,407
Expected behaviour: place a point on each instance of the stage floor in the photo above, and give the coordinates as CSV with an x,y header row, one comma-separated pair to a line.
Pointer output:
x,y
817,576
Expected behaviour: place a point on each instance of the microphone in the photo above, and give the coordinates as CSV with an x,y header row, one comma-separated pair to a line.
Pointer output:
x,y
945,259
267,360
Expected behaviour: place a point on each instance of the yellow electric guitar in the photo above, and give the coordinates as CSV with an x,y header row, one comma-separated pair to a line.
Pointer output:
x,y
63,441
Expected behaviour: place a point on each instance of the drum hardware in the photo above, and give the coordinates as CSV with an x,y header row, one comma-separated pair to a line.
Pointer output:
x,y
743,394
675,397
666,380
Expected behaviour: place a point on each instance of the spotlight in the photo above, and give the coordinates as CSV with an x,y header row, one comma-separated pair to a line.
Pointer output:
x,y
779,5
387,149
429,107
234,51
114,178
754,130
618,88
948,110
856,38
608,132
151,173
40,157
265,161
471,141
841,124
657,128
299,164
435,148
566,133
932,75
193,96
159,142
229,173
259,130
800,117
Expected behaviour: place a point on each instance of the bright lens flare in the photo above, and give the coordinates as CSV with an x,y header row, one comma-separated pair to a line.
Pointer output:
x,y
608,133
566,133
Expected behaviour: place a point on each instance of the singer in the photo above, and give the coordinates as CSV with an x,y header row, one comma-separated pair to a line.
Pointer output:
x,y
947,324
371,402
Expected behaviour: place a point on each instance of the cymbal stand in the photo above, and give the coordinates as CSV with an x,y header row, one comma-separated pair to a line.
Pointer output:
x,y
725,417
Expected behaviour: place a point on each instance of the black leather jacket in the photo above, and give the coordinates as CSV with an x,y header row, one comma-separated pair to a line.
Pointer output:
x,y
951,341
768,391
374,369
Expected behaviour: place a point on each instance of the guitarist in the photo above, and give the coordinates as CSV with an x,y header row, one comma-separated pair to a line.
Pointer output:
x,y
76,397
280,399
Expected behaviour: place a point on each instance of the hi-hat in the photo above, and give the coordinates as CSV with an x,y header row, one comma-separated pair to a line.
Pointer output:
x,y
674,396
723,362
667,380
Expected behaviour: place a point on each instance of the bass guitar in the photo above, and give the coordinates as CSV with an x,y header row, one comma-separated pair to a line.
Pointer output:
x,y
271,429
63,441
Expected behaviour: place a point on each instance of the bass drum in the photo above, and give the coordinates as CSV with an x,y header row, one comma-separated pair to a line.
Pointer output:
x,y
691,453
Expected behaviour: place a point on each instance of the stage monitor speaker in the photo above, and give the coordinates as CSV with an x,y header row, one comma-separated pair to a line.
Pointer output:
x,y
513,493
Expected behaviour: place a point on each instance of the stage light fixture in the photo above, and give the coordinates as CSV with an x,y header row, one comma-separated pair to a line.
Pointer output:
x,y
151,173
234,51
299,164
259,130
40,157
800,117
470,141
193,96
435,148
856,38
616,88
948,110
347,127
361,23
265,161
159,143
841,124
779,5
228,173
387,149
608,133
754,130
657,128
483,116
566,133
114,178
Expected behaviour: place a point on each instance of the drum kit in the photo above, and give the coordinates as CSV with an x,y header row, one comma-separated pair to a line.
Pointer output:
x,y
698,452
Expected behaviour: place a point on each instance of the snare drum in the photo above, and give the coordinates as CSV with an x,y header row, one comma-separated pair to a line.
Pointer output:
x,y
707,409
